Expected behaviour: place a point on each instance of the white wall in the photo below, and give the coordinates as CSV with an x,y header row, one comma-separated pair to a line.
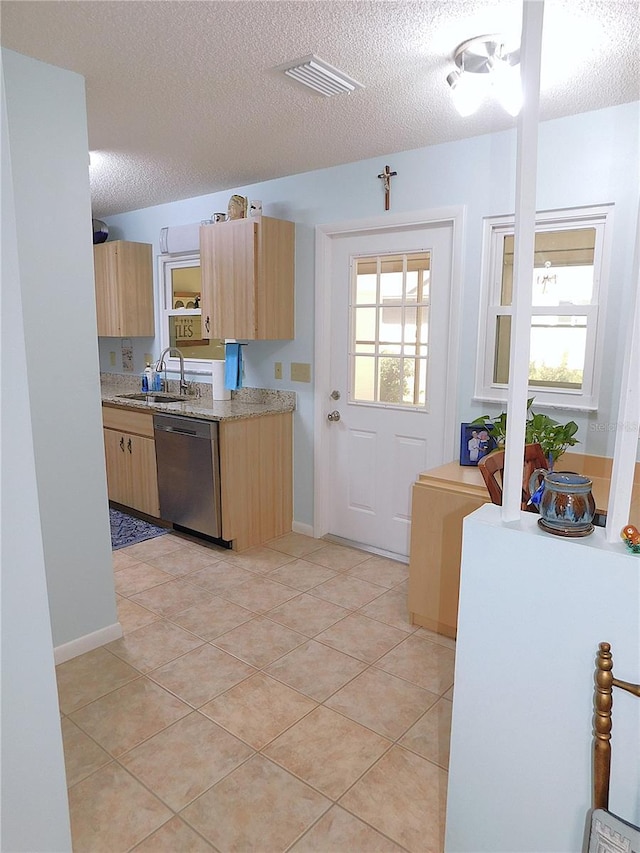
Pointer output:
x,y
586,159
533,609
49,160
35,814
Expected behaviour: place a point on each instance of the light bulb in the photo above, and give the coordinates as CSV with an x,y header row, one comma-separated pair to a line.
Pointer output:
x,y
467,92
506,83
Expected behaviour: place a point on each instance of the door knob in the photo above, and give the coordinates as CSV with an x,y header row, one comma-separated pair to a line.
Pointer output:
x,y
334,416
335,395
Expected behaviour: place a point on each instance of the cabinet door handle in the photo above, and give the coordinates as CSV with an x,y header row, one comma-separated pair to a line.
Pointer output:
x,y
129,445
122,443
207,324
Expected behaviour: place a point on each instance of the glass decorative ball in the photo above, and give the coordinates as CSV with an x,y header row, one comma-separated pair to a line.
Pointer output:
x,y
100,231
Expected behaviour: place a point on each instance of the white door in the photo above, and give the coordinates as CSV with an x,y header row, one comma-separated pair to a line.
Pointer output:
x,y
390,314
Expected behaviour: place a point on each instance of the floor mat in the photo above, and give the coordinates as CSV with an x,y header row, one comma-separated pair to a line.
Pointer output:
x,y
127,530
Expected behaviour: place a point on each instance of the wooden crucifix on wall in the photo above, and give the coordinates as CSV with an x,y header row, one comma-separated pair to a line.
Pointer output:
x,y
386,179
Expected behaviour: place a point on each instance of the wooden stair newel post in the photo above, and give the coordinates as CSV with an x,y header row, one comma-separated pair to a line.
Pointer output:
x,y
602,726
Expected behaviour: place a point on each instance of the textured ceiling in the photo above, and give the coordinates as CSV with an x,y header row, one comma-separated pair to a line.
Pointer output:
x,y
183,100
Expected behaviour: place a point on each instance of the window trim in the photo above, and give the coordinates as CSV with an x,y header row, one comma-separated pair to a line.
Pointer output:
x,y
165,264
494,229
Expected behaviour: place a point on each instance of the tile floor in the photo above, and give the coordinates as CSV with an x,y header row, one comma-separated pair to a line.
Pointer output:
x,y
274,700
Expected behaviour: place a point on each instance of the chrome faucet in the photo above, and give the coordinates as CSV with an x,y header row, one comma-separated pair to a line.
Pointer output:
x,y
160,365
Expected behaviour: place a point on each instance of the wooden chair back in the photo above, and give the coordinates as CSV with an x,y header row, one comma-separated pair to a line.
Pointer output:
x,y
492,467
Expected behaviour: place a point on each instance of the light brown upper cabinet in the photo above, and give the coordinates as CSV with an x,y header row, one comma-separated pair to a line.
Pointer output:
x,y
124,289
247,279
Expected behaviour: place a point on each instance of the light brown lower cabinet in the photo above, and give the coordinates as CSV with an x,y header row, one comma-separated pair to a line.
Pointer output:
x,y
441,499
256,471
130,454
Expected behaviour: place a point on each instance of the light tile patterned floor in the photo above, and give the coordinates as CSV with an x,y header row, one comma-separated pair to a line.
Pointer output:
x,y
275,700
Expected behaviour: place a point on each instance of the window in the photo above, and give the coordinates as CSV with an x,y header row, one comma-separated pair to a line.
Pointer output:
x,y
181,315
569,285
389,311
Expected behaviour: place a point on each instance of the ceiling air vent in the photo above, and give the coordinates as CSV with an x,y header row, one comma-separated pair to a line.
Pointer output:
x,y
320,76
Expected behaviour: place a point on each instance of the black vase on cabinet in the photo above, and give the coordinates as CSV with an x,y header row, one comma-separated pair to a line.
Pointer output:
x,y
100,231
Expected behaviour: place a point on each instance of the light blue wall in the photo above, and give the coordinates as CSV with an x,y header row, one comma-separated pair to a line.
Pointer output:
x,y
586,159
35,813
49,160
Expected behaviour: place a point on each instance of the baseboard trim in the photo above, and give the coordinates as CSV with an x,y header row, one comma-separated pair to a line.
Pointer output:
x,y
87,643
305,529
349,543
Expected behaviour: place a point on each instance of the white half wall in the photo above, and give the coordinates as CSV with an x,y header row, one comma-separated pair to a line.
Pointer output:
x,y
533,608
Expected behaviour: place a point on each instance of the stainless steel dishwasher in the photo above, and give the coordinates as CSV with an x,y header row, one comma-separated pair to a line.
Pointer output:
x,y
189,473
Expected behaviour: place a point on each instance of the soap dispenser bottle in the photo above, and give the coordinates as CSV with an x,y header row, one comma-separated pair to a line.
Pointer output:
x,y
147,379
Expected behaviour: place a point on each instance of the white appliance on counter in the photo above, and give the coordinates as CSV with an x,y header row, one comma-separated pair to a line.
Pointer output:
x,y
176,239
218,391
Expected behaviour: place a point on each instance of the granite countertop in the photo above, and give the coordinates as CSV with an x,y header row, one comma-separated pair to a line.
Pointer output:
x,y
245,403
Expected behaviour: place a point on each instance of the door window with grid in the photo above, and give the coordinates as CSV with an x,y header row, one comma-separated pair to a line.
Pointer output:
x,y
389,322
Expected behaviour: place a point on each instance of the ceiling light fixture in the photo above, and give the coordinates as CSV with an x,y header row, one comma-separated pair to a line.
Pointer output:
x,y
484,64
320,76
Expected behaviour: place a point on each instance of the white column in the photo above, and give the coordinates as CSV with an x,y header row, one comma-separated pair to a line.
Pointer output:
x,y
628,426
526,174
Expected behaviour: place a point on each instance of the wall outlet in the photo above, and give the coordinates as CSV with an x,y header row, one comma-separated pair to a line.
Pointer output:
x,y
148,358
300,372
277,372
112,359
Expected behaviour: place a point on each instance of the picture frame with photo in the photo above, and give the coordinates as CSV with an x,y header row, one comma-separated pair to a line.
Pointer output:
x,y
475,442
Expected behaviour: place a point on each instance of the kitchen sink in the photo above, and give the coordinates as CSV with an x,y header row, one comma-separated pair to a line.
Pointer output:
x,y
153,397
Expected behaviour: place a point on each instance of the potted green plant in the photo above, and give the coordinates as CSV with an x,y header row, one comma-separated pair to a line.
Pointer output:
x,y
552,436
